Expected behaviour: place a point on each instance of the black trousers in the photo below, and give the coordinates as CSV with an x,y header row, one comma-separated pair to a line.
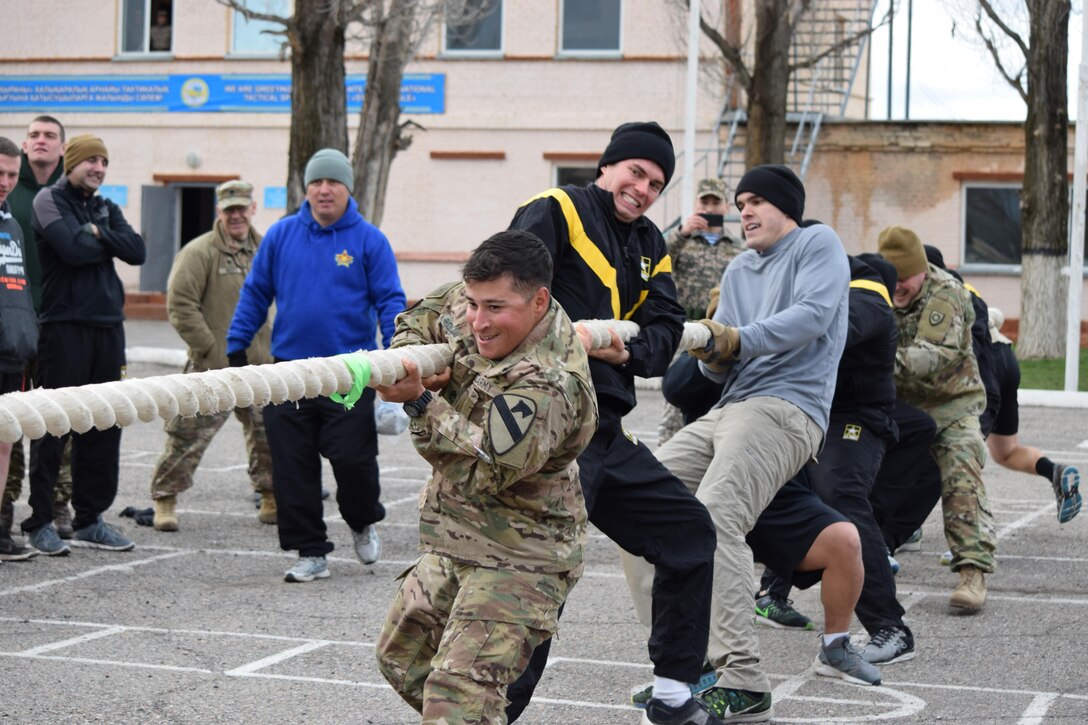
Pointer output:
x,y
299,434
843,478
71,354
634,500
908,485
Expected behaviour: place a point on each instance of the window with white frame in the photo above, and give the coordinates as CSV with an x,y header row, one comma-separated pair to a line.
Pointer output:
x,y
577,175
250,36
992,224
147,26
475,31
590,27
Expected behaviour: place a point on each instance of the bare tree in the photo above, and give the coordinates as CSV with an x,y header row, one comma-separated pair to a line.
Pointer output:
x,y
315,38
1037,69
765,79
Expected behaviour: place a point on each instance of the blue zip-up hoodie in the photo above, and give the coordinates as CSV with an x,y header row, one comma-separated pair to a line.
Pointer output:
x,y
332,287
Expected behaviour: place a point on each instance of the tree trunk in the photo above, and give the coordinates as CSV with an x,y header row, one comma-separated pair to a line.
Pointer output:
x,y
378,138
1044,203
767,95
318,96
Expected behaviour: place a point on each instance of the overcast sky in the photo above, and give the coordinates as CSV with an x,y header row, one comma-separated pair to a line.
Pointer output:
x,y
951,77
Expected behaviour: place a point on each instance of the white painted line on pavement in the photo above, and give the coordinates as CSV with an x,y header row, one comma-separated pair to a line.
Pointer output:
x,y
52,646
125,567
1024,520
321,681
1036,711
116,663
1083,444
283,656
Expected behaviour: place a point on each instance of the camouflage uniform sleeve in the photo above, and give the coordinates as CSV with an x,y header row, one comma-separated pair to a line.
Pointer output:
x,y
522,429
675,243
419,324
942,339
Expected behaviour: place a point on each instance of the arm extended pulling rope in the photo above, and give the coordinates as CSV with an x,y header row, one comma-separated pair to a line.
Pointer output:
x,y
36,413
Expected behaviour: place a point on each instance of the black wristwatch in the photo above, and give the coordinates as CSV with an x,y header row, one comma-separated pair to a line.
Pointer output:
x,y
415,408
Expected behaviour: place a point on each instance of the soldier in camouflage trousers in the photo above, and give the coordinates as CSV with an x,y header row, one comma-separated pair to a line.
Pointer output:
x,y
936,371
502,519
700,251
201,295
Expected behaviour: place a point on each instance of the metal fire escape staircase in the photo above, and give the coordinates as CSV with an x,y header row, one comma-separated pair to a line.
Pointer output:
x,y
815,92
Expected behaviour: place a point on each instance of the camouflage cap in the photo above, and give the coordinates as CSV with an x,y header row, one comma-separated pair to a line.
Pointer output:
x,y
234,193
711,187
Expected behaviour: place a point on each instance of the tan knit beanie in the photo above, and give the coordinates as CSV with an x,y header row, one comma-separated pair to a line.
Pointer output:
x,y
903,249
81,148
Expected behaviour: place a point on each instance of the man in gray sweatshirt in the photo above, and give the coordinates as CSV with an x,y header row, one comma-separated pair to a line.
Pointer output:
x,y
777,337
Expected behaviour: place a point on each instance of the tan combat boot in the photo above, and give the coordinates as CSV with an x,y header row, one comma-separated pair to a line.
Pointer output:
x,y
165,517
267,514
970,595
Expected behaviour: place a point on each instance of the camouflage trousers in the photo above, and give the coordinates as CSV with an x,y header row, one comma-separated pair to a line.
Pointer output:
x,y
62,492
968,523
187,440
456,636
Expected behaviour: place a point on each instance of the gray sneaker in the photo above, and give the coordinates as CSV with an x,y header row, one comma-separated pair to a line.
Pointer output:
x,y
840,659
889,645
101,535
307,569
692,712
45,540
10,551
1066,483
368,545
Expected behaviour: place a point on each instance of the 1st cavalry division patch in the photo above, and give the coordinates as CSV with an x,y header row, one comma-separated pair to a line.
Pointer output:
x,y
509,421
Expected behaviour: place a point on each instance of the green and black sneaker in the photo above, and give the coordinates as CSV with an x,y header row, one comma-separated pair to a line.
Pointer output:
x,y
730,705
774,611
642,694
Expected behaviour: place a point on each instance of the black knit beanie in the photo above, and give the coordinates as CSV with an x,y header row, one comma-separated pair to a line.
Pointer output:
x,y
640,140
777,184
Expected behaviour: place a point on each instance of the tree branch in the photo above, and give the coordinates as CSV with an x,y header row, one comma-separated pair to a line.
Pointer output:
x,y
240,6
996,20
1017,81
729,52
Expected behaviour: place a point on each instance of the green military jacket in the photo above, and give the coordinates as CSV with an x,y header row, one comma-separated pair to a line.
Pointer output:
x,y
935,366
697,268
503,438
203,291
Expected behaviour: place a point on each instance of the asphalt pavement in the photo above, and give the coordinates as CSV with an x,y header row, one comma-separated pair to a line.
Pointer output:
x,y
198,626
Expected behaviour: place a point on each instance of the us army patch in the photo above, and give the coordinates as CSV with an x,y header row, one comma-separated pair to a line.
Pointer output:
x,y
509,421
630,436
645,265
937,318
851,432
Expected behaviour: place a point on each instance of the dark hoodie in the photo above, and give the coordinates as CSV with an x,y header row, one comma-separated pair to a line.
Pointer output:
x,y
21,201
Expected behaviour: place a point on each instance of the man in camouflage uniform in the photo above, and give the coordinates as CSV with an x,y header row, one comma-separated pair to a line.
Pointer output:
x,y
936,371
700,253
502,519
201,295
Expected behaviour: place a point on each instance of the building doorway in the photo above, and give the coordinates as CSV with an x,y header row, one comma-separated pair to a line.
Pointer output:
x,y
170,217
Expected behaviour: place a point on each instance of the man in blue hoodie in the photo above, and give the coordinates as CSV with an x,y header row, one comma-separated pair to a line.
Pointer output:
x,y
333,278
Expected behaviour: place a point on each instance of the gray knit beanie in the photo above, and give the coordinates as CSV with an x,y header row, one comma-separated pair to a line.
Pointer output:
x,y
330,164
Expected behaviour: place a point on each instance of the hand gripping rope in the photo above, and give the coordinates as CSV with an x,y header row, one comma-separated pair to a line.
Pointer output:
x,y
36,413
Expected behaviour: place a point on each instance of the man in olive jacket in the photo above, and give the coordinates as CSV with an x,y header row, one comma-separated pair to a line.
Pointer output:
x,y
201,295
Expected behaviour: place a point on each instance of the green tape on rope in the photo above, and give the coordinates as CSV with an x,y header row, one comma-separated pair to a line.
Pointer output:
x,y
360,375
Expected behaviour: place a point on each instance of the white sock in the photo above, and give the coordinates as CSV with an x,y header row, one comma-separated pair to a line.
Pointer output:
x,y
829,638
673,693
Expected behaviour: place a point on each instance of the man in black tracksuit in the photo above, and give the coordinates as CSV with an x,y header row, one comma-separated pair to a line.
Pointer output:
x,y
612,263
79,234
860,429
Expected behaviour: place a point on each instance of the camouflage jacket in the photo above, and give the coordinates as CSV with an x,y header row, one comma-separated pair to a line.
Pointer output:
x,y
697,268
503,438
202,293
935,367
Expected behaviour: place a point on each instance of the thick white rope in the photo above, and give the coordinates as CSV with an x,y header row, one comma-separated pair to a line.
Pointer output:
x,y
36,413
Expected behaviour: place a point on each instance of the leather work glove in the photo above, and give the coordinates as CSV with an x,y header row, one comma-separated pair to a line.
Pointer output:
x,y
238,359
712,306
722,348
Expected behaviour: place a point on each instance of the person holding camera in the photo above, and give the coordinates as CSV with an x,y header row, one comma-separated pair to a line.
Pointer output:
x,y
700,249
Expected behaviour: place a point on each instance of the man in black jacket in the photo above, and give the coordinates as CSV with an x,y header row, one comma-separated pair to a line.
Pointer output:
x,y
79,234
610,262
